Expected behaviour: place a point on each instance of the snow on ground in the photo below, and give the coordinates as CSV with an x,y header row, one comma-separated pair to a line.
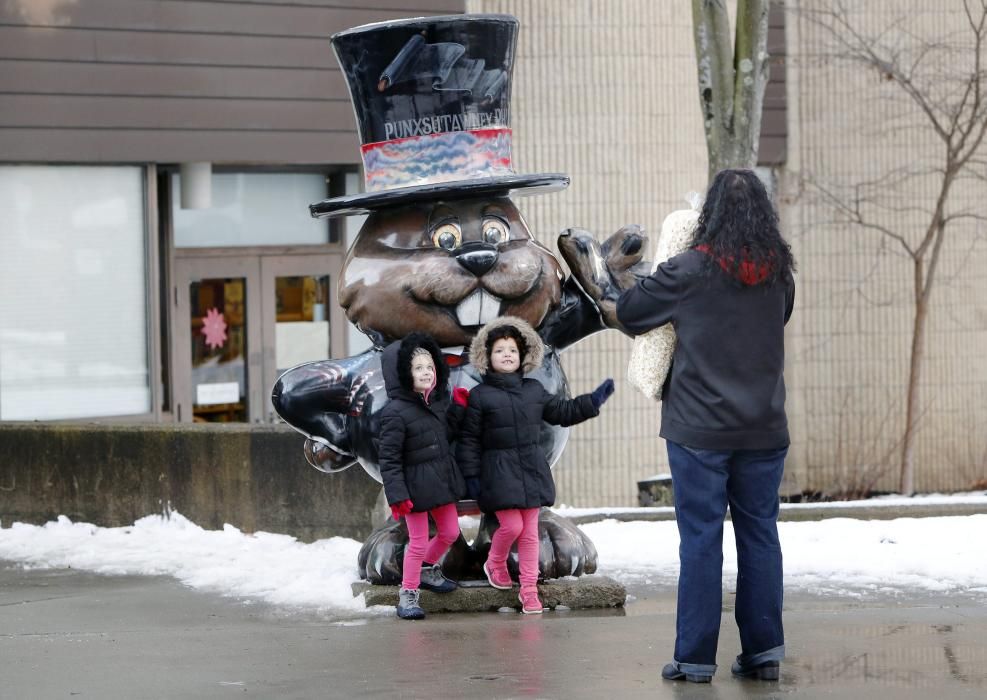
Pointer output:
x,y
836,556
265,567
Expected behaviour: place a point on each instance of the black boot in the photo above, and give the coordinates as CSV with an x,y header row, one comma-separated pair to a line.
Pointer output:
x,y
408,607
671,672
765,671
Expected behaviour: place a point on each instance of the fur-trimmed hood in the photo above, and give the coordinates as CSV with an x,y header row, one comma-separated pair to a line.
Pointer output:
x,y
396,365
533,357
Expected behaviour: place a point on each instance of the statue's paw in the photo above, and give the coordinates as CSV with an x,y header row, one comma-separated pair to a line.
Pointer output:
x,y
581,252
321,399
563,549
381,559
606,270
382,553
623,253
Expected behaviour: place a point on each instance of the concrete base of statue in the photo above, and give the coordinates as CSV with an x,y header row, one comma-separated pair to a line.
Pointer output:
x,y
477,596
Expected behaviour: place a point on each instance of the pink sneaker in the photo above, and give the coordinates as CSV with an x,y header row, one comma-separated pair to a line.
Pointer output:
x,y
498,578
530,603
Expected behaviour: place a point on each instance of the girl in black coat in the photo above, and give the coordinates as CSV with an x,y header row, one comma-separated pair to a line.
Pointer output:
x,y
416,465
499,447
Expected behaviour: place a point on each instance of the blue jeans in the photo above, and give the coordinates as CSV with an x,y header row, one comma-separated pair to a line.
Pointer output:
x,y
704,483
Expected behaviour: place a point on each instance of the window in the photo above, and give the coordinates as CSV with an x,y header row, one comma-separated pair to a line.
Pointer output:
x,y
73,308
250,209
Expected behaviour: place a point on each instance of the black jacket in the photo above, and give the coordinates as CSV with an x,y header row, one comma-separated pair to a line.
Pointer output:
x,y
726,387
415,458
499,440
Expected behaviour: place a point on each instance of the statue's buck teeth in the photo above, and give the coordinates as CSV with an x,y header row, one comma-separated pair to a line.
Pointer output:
x,y
478,308
489,309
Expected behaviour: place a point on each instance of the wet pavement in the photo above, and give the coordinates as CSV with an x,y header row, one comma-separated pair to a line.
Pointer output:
x,y
68,634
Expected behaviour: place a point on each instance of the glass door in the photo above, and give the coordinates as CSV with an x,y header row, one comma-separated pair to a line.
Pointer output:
x,y
240,321
302,320
217,340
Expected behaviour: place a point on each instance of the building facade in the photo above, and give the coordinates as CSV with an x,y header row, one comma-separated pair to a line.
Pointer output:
x,y
119,303
157,160
607,93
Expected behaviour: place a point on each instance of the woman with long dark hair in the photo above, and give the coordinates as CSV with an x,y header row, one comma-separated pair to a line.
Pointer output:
x,y
723,418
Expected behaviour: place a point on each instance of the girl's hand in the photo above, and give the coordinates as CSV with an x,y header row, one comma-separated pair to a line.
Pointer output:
x,y
602,393
400,509
461,396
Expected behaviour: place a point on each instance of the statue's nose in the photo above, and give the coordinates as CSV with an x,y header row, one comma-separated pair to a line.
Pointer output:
x,y
477,257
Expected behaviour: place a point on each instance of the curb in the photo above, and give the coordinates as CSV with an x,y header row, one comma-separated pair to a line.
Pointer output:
x,y
798,512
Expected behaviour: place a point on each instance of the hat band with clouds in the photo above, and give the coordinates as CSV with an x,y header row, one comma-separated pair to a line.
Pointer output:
x,y
437,155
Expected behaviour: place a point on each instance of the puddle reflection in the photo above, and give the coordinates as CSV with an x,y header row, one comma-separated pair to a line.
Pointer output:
x,y
505,656
896,655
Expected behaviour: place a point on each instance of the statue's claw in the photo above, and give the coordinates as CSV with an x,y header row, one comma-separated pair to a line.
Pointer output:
x,y
606,270
381,559
563,549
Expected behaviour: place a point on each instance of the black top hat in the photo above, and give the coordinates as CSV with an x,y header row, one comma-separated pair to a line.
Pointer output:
x,y
432,97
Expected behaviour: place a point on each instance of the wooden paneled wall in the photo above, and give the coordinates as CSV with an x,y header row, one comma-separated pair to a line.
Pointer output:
x,y
235,81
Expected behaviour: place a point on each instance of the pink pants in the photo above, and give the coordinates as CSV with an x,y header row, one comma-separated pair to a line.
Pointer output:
x,y
421,549
521,525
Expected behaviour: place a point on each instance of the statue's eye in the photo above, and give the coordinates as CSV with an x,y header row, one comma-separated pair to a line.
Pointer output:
x,y
495,231
447,236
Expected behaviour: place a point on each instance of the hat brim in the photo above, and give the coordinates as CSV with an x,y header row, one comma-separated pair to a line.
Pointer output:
x,y
365,202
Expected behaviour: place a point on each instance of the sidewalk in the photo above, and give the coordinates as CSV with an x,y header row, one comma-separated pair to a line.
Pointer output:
x,y
66,633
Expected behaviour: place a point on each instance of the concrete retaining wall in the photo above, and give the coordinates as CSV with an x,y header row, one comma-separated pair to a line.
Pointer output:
x,y
254,478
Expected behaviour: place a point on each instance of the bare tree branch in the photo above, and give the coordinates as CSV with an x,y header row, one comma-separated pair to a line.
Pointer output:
x,y
852,212
945,78
861,49
966,215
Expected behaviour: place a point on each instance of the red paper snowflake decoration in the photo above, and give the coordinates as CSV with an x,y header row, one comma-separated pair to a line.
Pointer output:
x,y
214,328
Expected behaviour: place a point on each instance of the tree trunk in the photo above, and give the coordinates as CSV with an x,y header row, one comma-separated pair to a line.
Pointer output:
x,y
924,276
732,79
907,481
